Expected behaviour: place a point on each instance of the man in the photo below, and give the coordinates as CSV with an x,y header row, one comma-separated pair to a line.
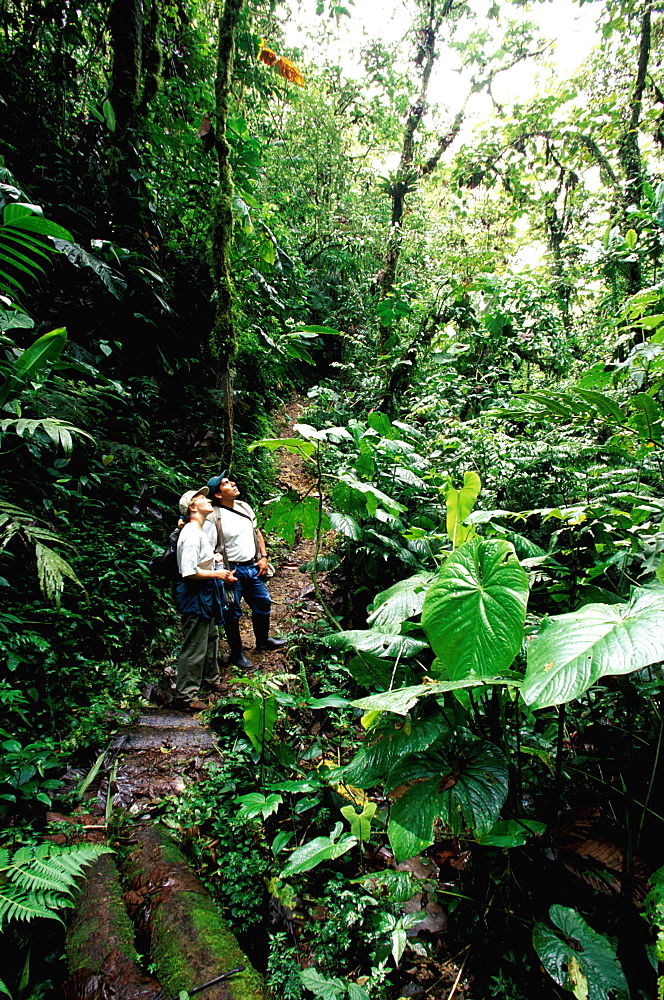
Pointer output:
x,y
198,600
231,529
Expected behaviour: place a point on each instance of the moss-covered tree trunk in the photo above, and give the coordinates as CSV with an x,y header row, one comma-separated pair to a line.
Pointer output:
x,y
223,340
629,150
134,57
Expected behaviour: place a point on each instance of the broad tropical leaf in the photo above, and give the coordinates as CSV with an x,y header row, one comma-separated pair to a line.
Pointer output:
x,y
353,495
256,804
401,601
326,989
412,816
573,651
511,832
260,715
475,611
346,525
459,505
460,779
296,446
291,511
320,849
384,644
578,958
360,823
398,887
79,257
403,699
40,354
385,745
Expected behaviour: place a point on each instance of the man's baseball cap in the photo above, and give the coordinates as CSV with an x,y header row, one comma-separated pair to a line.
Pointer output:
x,y
186,498
214,483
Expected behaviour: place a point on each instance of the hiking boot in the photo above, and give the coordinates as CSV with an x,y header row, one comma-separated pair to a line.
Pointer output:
x,y
189,706
261,625
216,686
237,657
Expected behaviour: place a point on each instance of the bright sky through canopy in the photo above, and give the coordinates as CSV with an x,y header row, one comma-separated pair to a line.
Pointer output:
x,y
570,28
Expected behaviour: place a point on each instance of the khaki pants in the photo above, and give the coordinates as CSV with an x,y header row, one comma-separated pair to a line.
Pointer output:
x,y
197,660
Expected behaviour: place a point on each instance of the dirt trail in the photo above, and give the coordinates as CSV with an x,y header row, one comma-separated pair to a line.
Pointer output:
x,y
293,600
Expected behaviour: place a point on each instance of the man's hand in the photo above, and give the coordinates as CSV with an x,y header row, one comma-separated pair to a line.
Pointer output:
x,y
262,566
227,575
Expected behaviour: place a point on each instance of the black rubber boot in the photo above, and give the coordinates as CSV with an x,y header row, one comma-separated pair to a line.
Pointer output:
x,y
261,625
237,657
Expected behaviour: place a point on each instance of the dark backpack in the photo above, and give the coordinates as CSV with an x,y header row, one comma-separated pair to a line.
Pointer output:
x,y
164,567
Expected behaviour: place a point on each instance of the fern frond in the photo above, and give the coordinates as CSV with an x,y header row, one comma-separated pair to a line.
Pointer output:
x,y
78,854
52,569
17,904
37,881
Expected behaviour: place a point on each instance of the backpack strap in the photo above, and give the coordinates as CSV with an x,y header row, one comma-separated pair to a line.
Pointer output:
x,y
221,545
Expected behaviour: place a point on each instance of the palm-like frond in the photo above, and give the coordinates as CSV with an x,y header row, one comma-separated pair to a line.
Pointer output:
x,y
22,246
59,431
38,881
52,569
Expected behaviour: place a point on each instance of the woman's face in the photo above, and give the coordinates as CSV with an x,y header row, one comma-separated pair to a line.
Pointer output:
x,y
200,505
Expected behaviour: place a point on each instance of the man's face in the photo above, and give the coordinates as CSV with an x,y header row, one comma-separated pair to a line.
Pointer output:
x,y
227,490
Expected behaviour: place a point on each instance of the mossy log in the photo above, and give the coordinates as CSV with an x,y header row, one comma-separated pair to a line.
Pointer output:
x,y
101,955
178,923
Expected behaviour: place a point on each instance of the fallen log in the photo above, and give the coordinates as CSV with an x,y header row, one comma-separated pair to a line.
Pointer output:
x,y
178,924
101,956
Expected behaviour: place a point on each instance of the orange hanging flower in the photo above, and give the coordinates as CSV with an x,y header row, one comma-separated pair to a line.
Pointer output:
x,y
284,66
289,71
267,55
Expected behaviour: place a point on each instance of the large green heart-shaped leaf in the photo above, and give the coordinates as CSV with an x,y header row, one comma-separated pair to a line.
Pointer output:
x,y
384,746
460,778
578,958
475,611
573,651
373,641
412,816
459,505
400,601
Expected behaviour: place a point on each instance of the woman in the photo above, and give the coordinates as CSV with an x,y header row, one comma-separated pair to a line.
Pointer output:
x,y
199,599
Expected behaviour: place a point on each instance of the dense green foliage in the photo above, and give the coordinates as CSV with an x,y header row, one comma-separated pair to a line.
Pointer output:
x,y
476,316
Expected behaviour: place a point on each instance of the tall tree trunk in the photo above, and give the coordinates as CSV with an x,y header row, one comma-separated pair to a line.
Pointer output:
x,y
408,172
628,149
129,96
223,342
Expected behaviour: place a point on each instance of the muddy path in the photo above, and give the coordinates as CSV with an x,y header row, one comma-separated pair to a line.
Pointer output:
x,y
293,599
